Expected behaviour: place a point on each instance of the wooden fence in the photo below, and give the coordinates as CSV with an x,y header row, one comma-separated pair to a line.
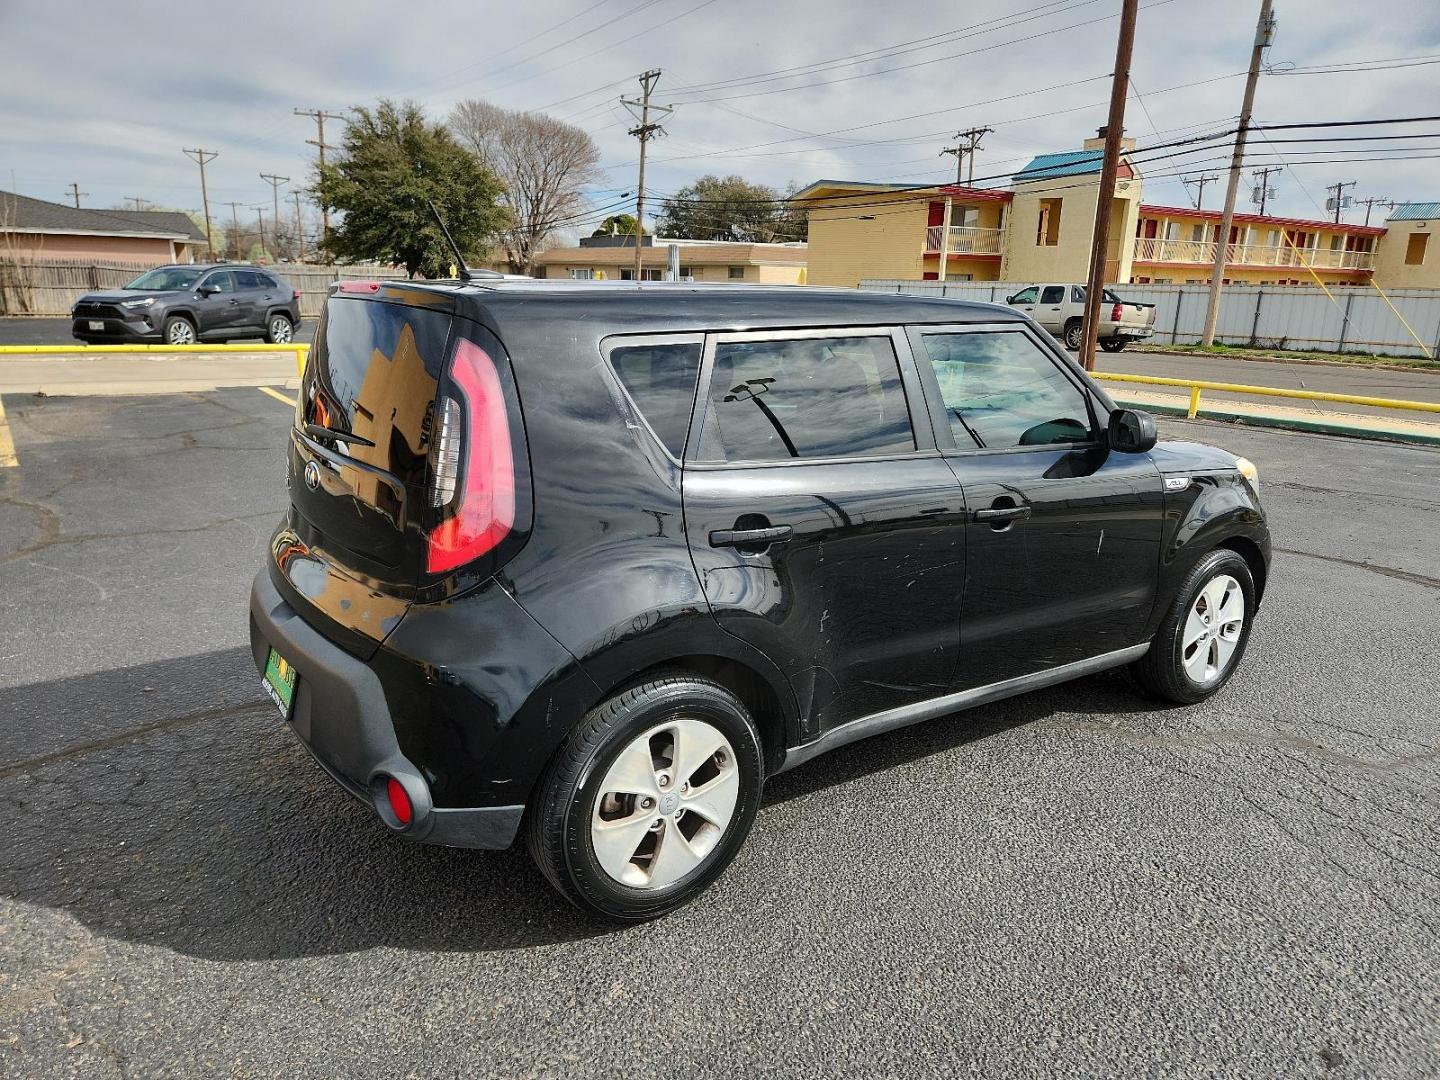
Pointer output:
x,y
50,287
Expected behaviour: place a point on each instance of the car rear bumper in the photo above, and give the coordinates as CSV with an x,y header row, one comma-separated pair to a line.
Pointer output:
x,y
341,716
1134,332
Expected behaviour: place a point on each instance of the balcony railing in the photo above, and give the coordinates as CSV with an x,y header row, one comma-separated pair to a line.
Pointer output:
x,y
1202,253
964,240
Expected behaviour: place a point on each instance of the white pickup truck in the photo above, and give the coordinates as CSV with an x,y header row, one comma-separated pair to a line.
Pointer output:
x,y
1061,310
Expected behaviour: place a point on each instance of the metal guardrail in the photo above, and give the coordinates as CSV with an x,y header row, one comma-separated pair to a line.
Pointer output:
x,y
1197,385
300,350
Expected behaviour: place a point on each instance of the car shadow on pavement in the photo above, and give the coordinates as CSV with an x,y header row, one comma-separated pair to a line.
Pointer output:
x,y
211,832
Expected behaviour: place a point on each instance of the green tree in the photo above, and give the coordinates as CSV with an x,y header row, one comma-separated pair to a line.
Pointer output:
x,y
391,163
616,225
729,208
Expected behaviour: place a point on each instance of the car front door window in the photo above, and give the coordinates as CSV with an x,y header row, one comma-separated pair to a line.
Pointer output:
x,y
1001,391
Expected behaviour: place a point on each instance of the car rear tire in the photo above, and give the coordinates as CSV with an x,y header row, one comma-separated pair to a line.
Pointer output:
x,y
1203,637
280,330
648,799
179,331
1112,344
1074,334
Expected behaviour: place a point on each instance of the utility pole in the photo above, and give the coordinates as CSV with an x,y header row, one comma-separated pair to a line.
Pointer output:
x,y
1199,182
260,219
201,157
299,234
1374,201
644,131
75,193
1114,132
320,116
1339,197
1264,32
234,226
966,143
1263,187
139,202
275,182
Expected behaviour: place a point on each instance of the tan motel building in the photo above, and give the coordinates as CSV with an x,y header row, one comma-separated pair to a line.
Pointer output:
x,y
1040,228
613,258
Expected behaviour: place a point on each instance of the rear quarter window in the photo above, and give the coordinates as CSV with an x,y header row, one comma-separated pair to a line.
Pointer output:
x,y
660,379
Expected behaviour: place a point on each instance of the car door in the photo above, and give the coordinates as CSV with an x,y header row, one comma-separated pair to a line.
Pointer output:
x,y
217,302
1024,300
1050,308
825,526
1063,538
254,294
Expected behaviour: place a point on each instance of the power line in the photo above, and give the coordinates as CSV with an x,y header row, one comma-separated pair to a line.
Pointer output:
x,y
966,143
1199,182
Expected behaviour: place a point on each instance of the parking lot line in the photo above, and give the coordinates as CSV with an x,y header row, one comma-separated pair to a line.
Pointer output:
x,y
8,460
276,395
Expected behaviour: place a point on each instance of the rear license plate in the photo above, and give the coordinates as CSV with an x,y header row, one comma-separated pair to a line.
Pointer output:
x,y
279,683
97,324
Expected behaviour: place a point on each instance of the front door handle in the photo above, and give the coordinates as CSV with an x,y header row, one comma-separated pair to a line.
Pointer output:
x,y
746,537
1002,515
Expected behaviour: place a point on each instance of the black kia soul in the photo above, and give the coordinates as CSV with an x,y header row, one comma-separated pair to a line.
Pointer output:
x,y
592,562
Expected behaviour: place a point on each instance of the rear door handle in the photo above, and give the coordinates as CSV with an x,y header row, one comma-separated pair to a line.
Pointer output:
x,y
1002,513
745,537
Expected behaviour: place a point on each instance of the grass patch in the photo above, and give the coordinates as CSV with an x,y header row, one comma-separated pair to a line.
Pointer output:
x,y
1241,352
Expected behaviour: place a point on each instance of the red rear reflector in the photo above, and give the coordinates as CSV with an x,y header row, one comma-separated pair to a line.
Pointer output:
x,y
1117,312
485,508
399,801
358,286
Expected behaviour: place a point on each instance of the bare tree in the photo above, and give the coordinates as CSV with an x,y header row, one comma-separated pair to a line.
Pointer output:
x,y
543,163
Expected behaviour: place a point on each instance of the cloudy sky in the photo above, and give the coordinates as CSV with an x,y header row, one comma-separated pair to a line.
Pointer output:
x,y
778,91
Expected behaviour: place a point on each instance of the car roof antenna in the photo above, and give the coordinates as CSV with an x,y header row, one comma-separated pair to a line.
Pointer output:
x,y
464,274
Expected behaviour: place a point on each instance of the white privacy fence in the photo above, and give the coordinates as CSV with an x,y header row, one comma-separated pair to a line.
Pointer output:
x,y
1264,316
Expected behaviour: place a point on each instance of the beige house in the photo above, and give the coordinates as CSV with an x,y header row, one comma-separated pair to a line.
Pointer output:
x,y
1040,229
613,258
34,229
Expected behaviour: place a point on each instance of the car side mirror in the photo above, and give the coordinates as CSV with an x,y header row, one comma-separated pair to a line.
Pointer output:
x,y
1010,299
1131,431
208,290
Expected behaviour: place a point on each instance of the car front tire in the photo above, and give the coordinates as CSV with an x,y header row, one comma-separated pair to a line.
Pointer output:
x,y
179,331
1074,334
1203,637
649,799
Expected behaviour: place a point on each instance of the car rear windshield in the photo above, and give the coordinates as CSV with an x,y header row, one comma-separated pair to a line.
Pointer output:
x,y
166,278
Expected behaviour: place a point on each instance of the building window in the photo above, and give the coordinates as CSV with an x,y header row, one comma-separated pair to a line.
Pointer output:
x,y
1197,234
648,273
690,272
1415,248
736,273
579,274
1047,231
538,272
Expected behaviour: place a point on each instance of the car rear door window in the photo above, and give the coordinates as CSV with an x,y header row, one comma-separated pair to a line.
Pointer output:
x,y
660,379
1001,390
249,279
806,397
1053,294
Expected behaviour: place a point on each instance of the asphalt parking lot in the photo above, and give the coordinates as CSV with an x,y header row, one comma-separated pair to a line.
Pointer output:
x,y
1069,884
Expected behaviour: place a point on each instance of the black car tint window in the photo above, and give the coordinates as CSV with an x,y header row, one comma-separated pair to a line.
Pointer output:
x,y
248,279
1053,294
806,398
661,381
1001,390
221,281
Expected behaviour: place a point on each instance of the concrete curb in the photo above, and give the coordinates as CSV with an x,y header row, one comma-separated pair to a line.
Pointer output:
x,y
1357,365
1314,427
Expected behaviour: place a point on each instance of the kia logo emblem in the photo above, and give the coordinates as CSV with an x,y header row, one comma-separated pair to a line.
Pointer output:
x,y
312,476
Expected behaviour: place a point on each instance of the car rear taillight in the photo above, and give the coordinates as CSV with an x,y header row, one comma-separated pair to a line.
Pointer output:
x,y
1117,312
473,467
295,295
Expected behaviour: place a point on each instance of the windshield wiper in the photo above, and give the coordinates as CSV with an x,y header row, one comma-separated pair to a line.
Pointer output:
x,y
963,423
339,436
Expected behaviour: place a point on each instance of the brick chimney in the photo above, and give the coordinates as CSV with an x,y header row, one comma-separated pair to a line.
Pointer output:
x,y
1098,143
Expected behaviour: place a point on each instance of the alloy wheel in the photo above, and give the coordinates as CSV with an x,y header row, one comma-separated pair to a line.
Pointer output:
x,y
1212,629
280,330
665,804
181,333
